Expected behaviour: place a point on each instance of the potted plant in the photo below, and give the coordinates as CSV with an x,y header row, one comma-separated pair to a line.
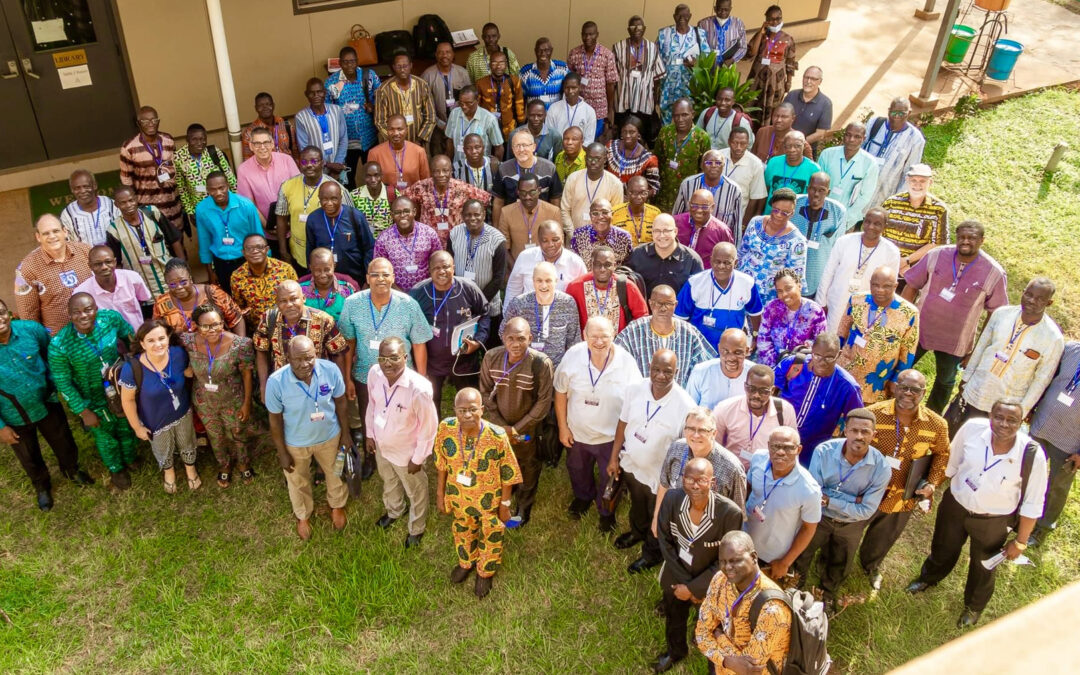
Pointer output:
x,y
706,79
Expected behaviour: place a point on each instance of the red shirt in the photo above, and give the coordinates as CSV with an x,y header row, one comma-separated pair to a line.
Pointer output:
x,y
592,301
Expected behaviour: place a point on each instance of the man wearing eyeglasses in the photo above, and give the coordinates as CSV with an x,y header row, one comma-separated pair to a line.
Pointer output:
x,y
297,199
661,330
663,260
783,508
744,423
897,145
813,109
906,430
699,229
727,201
254,282
583,188
260,176
524,160
147,166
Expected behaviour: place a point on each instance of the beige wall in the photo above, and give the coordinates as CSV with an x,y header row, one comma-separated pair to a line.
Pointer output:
x,y
172,61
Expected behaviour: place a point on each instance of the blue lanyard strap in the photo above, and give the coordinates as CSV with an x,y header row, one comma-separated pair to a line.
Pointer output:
x,y
210,357
753,431
331,232
438,307
314,397
723,291
607,297
386,311
388,398
811,225
507,368
649,416
845,476
601,373
730,610
986,458
767,491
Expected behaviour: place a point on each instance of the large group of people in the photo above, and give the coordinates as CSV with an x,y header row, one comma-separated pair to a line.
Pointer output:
x,y
534,236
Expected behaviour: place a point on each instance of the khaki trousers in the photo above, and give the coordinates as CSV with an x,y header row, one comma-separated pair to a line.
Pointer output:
x,y
398,484
299,480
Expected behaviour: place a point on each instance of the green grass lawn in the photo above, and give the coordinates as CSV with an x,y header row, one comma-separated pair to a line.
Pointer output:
x,y
217,581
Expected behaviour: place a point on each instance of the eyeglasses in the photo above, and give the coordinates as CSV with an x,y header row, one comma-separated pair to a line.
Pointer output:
x,y
783,447
700,207
153,120
310,162
713,162
700,480
529,193
908,389
523,146
179,283
393,358
693,431
758,390
206,327
256,248
786,214
664,304
261,144
467,411
600,212
823,358
897,113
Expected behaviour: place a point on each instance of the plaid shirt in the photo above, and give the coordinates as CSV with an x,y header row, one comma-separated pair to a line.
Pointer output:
x,y
43,285
314,323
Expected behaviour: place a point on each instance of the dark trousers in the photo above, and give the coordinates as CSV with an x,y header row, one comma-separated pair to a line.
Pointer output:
x,y
550,448
960,411
838,542
54,427
1058,486
881,533
362,401
355,158
676,616
642,505
459,382
581,462
946,366
954,525
528,460
224,269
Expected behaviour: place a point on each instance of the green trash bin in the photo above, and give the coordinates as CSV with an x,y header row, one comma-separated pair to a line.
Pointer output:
x,y
959,42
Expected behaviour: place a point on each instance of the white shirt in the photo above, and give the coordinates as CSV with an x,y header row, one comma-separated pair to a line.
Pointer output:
x,y
579,192
592,410
748,173
708,385
658,422
996,478
561,117
569,266
89,228
842,275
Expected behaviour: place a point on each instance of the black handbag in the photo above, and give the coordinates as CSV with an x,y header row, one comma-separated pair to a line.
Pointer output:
x,y
354,465
392,42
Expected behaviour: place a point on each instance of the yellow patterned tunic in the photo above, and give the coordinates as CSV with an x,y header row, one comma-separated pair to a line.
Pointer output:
x,y
718,637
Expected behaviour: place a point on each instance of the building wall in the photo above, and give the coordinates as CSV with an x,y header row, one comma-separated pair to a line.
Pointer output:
x,y
271,49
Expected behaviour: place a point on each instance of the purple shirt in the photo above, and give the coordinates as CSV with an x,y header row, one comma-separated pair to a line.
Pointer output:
x,y
130,291
714,232
408,255
948,322
780,332
261,185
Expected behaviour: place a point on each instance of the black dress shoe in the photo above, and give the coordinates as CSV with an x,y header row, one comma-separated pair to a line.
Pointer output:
x,y
482,587
385,521
121,480
44,500
459,573
413,540
664,663
641,564
917,586
607,524
80,477
968,619
367,469
578,508
626,540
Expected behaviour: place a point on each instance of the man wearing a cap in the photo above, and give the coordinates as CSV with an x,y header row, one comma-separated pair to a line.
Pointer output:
x,y
916,221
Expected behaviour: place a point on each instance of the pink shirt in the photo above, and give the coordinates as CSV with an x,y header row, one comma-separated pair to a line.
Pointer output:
x,y
733,426
401,418
261,185
130,291
714,232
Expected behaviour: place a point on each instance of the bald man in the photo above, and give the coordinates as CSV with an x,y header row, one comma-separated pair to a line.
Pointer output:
x,y
341,228
699,228
441,197
45,278
86,218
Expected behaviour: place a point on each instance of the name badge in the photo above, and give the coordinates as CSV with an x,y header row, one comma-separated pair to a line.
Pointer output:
x,y
441,211
746,454
200,188
708,320
350,108
317,416
592,401
211,387
686,556
444,226
380,421
1065,400
228,241
303,217
759,513
145,260
946,295
860,341
537,345
451,103
374,344
411,268
335,258
163,177
893,462
584,81
673,164
327,146
435,330
640,435
812,245
972,485
766,61
635,75
530,245
464,479
1002,356
401,185
409,119
470,275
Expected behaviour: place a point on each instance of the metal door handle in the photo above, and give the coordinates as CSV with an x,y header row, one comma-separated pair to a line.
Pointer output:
x,y
28,68
13,71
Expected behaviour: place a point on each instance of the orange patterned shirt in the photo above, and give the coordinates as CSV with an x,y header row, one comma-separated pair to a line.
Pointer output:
x,y
928,434
770,639
490,461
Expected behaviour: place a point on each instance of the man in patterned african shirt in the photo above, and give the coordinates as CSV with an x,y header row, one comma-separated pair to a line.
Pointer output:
x,y
880,333
477,470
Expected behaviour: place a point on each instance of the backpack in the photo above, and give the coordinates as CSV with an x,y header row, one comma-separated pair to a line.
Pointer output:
x,y
633,277
392,42
739,117
112,375
623,276
428,32
809,630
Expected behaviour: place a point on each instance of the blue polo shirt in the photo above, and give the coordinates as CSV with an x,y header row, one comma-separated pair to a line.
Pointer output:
x,y
236,221
295,401
713,310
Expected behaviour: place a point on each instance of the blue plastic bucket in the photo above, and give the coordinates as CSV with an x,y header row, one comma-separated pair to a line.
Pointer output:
x,y
1003,59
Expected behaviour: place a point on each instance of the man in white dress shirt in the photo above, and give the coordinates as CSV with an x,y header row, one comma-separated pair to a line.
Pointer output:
x,y
568,264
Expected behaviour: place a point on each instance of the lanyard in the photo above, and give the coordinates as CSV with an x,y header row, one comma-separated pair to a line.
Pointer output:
x,y
603,307
445,206
210,357
843,172
93,343
1017,332
679,146
97,215
731,610
187,320
168,376
601,374
986,458
899,437
446,83
956,277
292,329
411,246
462,446
703,186
872,319
573,113
470,250
497,90
753,431
766,491
481,175
546,313
314,381
637,53
159,157
591,196
386,312
438,307
399,165
639,230
863,263
772,140
845,476
723,291
311,194
536,213
696,234
624,161
648,416
387,399
586,63
139,231
507,368
810,225
332,233
330,295
465,131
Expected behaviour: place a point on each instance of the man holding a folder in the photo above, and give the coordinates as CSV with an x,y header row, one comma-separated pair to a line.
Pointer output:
x,y
915,443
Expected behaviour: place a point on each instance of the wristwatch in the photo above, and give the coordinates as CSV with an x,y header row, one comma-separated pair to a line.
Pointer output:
x,y
506,503
1022,547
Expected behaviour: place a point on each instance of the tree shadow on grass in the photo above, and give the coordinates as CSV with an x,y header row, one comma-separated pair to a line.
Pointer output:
x,y
939,138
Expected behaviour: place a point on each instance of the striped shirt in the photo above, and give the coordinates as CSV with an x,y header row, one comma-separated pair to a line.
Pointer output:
x,y
333,140
722,36
145,248
483,178
1054,421
911,227
414,104
895,153
639,228
89,228
537,88
689,345
140,166
824,229
483,123
727,199
477,257
555,328
637,70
